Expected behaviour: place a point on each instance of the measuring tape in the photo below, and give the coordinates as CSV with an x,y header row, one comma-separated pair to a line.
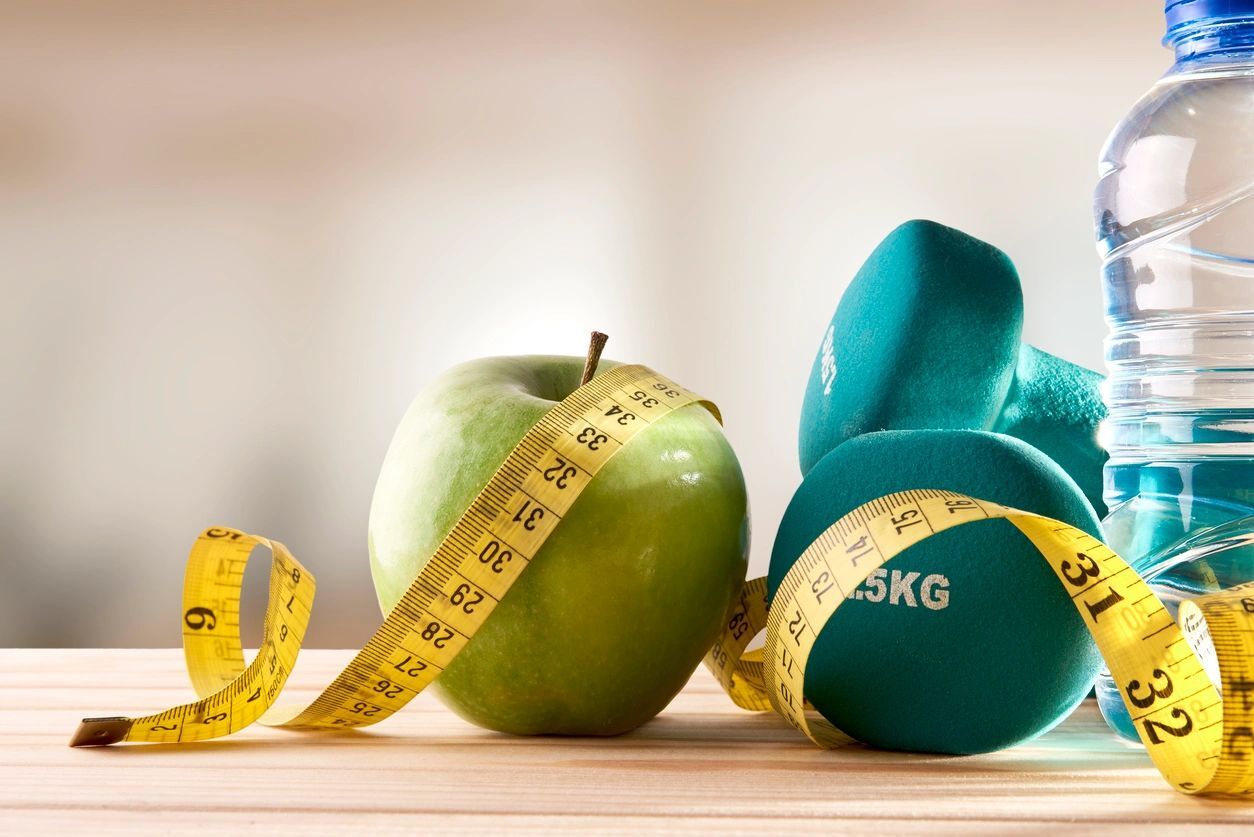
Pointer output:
x,y
1200,743
481,557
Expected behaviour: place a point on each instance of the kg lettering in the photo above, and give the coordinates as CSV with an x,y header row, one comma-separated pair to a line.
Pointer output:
x,y
910,589
827,366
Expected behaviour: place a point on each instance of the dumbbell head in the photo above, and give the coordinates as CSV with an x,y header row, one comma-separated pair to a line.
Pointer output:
x,y
1056,406
965,643
928,336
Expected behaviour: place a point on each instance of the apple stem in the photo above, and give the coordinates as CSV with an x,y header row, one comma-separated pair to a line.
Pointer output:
x,y
595,346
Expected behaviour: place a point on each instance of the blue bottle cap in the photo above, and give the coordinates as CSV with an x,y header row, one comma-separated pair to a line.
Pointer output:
x,y
1188,14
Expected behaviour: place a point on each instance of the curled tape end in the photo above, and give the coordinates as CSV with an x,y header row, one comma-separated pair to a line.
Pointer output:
x,y
97,732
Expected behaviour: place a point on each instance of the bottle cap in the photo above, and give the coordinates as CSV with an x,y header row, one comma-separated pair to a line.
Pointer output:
x,y
1187,15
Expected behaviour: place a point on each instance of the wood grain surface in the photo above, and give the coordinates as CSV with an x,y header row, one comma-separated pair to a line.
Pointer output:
x,y
702,766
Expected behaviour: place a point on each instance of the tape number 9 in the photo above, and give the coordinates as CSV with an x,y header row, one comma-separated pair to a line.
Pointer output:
x,y
198,618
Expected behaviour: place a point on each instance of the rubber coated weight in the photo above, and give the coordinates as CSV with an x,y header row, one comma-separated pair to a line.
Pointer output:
x,y
928,336
931,655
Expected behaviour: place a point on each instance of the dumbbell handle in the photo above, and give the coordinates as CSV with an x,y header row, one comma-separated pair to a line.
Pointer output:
x,y
1056,406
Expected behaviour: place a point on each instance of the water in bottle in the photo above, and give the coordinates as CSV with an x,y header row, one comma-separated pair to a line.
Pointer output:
x,y
1175,226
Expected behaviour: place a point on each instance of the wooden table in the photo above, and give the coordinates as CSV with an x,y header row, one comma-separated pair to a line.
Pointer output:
x,y
703,765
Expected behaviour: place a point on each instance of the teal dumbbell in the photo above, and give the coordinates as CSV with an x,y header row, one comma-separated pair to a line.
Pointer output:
x,y
928,336
964,643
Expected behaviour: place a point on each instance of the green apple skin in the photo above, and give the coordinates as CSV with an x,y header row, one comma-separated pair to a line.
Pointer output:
x,y
626,596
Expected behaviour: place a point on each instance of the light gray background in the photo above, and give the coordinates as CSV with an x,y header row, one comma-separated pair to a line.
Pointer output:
x,y
238,237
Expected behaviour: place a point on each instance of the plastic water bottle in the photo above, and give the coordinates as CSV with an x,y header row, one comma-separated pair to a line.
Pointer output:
x,y
1175,227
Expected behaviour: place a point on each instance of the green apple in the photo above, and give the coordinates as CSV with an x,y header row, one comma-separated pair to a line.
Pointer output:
x,y
627,594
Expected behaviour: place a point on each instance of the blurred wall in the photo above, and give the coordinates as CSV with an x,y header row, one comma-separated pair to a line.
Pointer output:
x,y
237,238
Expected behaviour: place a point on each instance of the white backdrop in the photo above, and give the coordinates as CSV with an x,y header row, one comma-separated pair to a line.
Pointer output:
x,y
238,237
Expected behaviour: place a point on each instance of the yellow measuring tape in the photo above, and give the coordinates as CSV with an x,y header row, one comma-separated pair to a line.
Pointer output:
x,y
1200,743
485,552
